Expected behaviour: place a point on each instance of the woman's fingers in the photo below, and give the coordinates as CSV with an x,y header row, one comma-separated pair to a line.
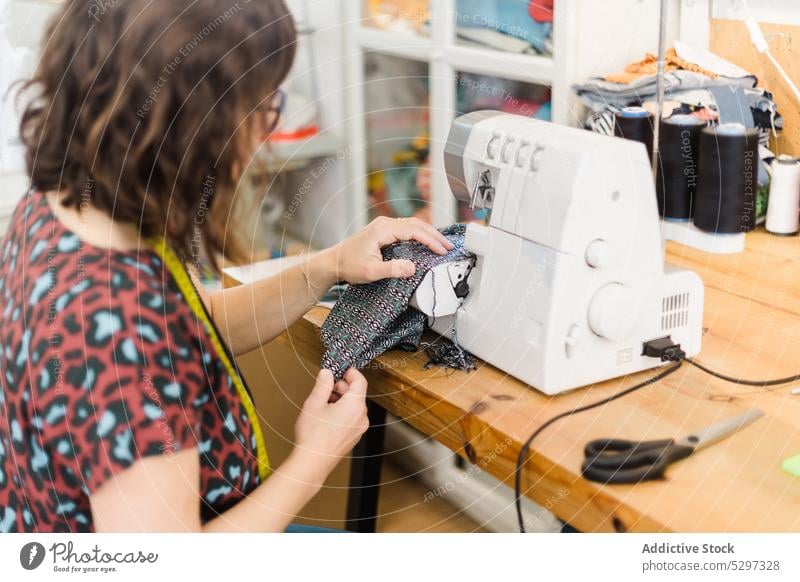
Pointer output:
x,y
340,388
400,229
358,259
321,392
352,382
416,229
357,384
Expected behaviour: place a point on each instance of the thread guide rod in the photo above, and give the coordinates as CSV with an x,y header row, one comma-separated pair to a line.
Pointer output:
x,y
662,40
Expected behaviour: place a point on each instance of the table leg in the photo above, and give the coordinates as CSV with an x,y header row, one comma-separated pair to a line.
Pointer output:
x,y
365,473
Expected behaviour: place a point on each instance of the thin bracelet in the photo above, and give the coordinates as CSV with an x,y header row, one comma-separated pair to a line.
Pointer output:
x,y
311,287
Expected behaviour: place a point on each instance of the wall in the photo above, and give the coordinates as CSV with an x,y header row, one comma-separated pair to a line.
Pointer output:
x,y
777,11
729,39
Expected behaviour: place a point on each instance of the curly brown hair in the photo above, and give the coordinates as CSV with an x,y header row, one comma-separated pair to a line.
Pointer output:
x,y
145,109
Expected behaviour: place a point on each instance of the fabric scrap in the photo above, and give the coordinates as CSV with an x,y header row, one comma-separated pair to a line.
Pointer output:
x,y
649,66
372,318
732,106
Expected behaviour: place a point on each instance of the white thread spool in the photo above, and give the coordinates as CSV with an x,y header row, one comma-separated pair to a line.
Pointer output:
x,y
784,196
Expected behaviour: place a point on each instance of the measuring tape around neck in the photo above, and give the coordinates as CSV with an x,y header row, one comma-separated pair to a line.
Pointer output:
x,y
184,282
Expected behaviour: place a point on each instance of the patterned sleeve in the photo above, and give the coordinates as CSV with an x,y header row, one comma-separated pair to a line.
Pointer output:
x,y
134,391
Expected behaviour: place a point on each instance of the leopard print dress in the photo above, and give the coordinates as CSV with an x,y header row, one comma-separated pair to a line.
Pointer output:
x,y
103,362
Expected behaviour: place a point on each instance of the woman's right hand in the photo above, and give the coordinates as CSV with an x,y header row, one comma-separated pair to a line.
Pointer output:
x,y
332,420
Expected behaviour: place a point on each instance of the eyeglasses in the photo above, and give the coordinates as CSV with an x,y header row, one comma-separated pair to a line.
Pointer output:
x,y
275,110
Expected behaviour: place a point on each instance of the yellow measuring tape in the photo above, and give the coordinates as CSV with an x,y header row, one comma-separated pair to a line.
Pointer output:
x,y
175,266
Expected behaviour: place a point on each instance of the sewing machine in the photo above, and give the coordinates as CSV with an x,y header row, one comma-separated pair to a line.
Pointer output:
x,y
569,280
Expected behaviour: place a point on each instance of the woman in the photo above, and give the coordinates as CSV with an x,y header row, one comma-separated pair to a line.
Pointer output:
x,y
122,409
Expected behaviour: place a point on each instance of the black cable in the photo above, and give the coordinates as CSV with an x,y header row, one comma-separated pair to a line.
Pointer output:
x,y
523,453
762,383
665,349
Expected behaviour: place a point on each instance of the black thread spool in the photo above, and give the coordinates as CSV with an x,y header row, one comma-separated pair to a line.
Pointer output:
x,y
635,123
678,146
726,182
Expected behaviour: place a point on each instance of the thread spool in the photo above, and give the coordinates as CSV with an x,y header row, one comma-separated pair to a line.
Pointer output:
x,y
726,181
784,196
635,123
678,147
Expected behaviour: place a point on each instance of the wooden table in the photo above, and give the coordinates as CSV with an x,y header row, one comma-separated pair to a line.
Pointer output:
x,y
751,330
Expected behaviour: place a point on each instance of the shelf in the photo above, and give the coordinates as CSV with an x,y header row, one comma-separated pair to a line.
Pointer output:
x,y
290,155
529,68
408,46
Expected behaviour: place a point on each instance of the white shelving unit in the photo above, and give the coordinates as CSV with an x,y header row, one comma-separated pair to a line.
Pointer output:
x,y
590,37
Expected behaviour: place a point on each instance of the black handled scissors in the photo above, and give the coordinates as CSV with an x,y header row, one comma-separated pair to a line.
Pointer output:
x,y
621,461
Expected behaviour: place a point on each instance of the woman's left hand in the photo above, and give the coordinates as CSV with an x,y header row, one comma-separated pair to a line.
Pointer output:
x,y
358,259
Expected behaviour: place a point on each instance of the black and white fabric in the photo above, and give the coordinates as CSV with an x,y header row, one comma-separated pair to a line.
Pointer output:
x,y
370,319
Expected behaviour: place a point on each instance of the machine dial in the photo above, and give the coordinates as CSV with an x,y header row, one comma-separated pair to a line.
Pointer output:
x,y
614,311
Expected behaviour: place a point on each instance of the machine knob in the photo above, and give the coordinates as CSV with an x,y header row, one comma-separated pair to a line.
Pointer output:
x,y
614,311
597,254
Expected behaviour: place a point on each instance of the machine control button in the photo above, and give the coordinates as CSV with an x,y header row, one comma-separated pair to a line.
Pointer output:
x,y
598,254
575,337
522,153
614,311
505,153
492,146
536,157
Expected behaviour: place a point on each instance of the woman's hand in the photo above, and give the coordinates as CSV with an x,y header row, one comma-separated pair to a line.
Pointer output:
x,y
332,420
358,259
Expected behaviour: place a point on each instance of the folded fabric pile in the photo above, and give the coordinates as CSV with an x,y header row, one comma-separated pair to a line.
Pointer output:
x,y
696,82
649,66
598,92
373,318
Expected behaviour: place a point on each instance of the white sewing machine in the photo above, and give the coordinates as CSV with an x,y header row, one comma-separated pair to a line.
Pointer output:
x,y
569,280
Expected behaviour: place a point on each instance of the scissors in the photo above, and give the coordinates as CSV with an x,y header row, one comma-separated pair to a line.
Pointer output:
x,y
621,461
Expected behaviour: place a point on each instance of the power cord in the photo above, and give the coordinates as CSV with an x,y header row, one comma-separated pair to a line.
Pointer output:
x,y
762,383
523,453
666,350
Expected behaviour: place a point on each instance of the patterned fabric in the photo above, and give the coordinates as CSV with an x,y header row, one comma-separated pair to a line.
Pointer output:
x,y
370,319
102,363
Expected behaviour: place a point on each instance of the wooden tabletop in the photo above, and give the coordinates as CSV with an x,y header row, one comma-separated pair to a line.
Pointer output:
x,y
751,330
